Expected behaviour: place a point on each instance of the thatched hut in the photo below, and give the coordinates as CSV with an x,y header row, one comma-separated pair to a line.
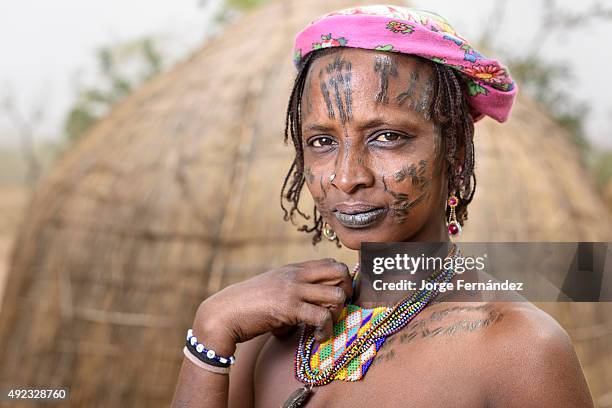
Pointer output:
x,y
175,194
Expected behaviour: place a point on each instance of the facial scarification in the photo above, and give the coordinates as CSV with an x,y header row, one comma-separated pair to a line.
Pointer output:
x,y
308,175
306,95
335,83
380,78
326,97
320,201
417,175
418,96
426,97
409,92
384,65
402,203
347,147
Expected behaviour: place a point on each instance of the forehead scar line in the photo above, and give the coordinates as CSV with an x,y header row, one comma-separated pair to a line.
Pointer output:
x,y
385,66
338,65
341,84
335,83
325,92
306,93
347,93
426,98
409,92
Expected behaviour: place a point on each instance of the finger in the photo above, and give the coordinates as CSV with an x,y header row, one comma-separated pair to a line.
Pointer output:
x,y
323,333
329,272
347,286
336,310
316,316
322,295
283,331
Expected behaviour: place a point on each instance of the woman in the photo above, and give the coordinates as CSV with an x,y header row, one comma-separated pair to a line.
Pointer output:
x,y
382,118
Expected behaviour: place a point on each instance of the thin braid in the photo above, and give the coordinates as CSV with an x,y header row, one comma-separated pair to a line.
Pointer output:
x,y
293,127
458,130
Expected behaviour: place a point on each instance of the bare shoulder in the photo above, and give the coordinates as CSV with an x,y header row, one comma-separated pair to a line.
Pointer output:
x,y
523,321
532,361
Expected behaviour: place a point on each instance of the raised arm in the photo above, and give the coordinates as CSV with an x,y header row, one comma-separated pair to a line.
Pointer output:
x,y
311,292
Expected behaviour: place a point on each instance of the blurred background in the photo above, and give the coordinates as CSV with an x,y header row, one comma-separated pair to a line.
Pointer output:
x,y
141,161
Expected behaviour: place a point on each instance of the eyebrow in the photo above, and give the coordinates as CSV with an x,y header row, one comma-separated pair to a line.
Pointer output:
x,y
370,124
318,128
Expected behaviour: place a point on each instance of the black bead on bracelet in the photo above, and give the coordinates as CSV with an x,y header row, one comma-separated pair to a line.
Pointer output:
x,y
205,355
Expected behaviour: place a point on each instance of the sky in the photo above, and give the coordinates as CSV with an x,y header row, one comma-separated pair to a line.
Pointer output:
x,y
45,45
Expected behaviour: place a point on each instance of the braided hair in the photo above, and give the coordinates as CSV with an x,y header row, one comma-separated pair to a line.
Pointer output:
x,y
449,111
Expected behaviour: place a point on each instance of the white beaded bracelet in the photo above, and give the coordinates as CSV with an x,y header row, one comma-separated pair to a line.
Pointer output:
x,y
201,364
205,355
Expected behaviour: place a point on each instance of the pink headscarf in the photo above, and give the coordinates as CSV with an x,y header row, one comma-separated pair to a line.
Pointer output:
x,y
412,31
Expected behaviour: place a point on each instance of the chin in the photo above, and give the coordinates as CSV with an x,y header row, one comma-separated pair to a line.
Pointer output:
x,y
352,238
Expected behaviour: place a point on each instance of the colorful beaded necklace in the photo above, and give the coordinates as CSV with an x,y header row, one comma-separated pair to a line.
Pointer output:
x,y
357,337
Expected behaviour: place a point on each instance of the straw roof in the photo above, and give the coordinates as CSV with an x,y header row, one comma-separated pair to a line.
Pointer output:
x,y
175,194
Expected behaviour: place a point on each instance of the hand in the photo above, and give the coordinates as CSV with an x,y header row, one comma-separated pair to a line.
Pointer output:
x,y
310,292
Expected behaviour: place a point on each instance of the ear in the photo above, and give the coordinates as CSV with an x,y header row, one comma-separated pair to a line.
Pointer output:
x,y
460,158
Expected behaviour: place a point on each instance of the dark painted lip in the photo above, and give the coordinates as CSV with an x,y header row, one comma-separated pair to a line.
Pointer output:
x,y
355,207
360,220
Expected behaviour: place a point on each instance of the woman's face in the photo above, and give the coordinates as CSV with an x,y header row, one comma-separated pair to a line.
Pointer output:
x,y
366,118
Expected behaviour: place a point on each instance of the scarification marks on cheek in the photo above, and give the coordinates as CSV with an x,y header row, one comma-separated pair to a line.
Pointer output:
x,y
321,201
402,204
323,188
416,174
384,65
308,175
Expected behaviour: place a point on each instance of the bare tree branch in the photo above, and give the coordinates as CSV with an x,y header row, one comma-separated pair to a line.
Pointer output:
x,y
25,126
495,19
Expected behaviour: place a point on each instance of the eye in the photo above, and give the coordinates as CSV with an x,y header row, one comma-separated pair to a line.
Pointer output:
x,y
321,141
389,136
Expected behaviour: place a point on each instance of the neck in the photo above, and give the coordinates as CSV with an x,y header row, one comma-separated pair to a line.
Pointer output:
x,y
367,296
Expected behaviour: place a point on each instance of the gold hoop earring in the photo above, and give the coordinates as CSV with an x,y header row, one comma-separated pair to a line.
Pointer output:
x,y
329,232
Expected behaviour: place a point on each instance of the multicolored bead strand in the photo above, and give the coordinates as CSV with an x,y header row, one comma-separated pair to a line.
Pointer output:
x,y
384,322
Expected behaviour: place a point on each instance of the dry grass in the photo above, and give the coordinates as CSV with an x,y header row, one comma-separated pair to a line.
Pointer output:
x,y
12,205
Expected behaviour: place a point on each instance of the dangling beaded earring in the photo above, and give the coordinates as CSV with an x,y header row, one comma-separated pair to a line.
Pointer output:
x,y
454,228
329,232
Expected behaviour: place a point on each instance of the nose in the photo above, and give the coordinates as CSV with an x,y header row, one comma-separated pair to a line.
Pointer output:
x,y
351,170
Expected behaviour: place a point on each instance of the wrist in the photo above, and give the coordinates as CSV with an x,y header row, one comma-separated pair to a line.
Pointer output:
x,y
214,334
